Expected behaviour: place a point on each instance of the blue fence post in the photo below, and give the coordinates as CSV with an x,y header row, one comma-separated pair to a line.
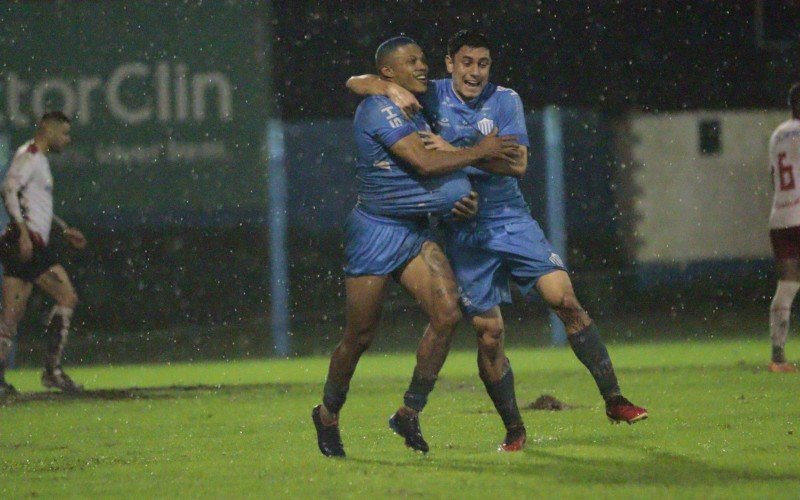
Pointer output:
x,y
279,263
556,200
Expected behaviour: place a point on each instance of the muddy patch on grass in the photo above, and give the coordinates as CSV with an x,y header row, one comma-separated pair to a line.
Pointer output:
x,y
547,402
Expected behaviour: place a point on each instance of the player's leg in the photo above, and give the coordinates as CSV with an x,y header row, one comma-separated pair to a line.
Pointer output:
x,y
780,312
495,371
364,301
483,277
15,299
430,280
556,289
56,283
786,249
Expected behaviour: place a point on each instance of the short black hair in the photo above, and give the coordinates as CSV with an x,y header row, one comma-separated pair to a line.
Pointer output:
x,y
794,99
55,116
388,47
470,38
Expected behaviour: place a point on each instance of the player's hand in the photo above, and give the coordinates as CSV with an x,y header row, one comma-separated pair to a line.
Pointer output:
x,y
495,147
433,141
25,247
404,99
75,238
466,207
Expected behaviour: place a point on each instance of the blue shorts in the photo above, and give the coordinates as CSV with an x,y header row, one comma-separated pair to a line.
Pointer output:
x,y
378,246
484,260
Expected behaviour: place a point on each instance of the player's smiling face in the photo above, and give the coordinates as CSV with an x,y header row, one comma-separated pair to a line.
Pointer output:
x,y
409,68
469,68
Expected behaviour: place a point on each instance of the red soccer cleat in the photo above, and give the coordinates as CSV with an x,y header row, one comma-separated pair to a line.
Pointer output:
x,y
515,439
619,409
782,367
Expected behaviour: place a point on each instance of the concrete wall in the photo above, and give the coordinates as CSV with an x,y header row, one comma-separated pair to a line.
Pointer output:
x,y
692,206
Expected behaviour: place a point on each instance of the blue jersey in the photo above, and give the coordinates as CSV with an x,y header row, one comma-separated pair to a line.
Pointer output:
x,y
464,124
387,185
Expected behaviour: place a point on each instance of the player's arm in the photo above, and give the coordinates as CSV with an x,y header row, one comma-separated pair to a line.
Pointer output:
x,y
373,85
74,236
19,172
513,167
437,142
431,162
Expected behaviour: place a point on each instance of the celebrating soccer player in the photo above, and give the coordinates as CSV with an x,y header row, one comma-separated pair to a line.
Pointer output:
x,y
27,257
400,184
503,242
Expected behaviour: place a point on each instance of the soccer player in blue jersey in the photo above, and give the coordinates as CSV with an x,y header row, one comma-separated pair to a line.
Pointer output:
x,y
503,242
400,184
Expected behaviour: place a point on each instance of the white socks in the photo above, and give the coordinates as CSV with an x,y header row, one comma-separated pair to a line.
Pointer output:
x,y
57,330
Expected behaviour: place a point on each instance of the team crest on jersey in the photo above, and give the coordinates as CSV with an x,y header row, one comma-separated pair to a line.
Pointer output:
x,y
556,260
485,126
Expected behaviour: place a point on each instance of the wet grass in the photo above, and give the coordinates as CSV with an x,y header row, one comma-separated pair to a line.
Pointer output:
x,y
720,426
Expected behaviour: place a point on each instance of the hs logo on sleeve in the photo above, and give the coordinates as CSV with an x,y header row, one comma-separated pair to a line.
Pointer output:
x,y
392,117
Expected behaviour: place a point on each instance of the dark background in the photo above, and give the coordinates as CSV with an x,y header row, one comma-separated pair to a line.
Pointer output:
x,y
606,55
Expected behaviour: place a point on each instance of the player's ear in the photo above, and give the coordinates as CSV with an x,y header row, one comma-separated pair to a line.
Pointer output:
x,y
448,63
387,71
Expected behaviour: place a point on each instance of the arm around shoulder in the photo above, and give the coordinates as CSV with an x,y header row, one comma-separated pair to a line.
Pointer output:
x,y
367,85
429,162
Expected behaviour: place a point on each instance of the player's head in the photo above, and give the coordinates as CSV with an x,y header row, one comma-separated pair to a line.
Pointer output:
x,y
401,60
794,99
468,60
54,128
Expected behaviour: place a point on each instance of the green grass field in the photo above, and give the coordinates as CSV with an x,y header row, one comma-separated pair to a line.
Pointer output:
x,y
720,426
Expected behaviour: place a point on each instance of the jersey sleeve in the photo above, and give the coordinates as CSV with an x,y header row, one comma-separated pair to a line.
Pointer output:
x,y
383,120
511,118
19,173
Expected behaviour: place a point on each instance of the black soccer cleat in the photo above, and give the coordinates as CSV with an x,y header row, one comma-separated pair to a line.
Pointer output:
x,y
328,437
7,390
407,426
57,379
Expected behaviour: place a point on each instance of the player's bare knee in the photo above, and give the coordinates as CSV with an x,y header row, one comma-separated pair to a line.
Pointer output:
x,y
490,333
360,337
363,342
445,319
572,314
568,305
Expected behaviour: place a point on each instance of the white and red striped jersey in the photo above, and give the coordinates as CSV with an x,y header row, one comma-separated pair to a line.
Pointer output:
x,y
784,164
28,190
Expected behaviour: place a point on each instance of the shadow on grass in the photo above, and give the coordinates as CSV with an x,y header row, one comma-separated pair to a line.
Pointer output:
x,y
656,468
145,393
